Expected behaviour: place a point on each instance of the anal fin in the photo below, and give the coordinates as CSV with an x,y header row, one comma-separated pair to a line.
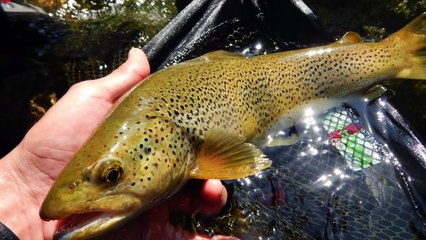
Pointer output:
x,y
374,92
417,69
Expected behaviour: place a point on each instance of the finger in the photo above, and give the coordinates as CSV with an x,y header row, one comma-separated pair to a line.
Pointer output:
x,y
197,196
207,199
214,197
214,191
130,73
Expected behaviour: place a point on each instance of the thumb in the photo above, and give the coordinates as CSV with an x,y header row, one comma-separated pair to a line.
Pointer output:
x,y
134,70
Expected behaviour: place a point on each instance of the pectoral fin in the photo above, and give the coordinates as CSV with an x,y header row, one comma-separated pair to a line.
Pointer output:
x,y
224,155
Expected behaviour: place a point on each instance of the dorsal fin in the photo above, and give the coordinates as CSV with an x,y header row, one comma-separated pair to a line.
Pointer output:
x,y
221,54
224,155
348,39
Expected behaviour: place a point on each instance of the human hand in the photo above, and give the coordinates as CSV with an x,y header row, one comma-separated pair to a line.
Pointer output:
x,y
31,168
154,224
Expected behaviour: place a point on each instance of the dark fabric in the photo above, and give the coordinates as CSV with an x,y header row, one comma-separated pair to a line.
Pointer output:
x,y
255,27
238,25
397,133
6,233
234,25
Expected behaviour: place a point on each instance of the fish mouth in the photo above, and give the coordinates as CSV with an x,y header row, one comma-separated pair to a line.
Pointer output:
x,y
90,225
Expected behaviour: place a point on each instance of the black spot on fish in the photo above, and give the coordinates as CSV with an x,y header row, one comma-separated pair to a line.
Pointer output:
x,y
150,117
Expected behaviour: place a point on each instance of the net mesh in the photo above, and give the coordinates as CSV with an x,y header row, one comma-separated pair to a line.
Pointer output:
x,y
338,182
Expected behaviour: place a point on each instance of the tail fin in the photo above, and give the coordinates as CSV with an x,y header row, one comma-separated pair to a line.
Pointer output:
x,y
413,36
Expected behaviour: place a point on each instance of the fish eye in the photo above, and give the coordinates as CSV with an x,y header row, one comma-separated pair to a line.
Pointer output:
x,y
113,175
107,170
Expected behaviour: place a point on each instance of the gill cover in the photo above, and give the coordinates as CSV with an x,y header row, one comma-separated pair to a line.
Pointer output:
x,y
128,165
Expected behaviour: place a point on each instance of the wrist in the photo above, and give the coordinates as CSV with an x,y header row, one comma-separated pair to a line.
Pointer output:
x,y
18,209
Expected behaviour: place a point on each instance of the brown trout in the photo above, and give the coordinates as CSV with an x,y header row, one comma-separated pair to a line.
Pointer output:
x,y
199,119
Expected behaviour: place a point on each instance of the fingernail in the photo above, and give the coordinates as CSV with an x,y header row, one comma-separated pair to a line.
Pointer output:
x,y
131,52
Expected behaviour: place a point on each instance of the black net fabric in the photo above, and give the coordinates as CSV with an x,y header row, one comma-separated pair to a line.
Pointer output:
x,y
252,27
350,186
357,172
344,179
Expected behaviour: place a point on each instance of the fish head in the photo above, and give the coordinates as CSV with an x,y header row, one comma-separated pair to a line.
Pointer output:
x,y
122,170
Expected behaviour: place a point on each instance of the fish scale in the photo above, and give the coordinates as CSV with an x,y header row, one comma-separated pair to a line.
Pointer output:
x,y
200,118
229,98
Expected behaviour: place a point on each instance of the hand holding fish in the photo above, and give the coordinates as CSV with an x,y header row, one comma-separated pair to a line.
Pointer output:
x,y
29,170
201,119
154,224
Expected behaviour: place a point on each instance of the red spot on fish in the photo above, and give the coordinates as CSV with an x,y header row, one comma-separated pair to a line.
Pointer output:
x,y
72,185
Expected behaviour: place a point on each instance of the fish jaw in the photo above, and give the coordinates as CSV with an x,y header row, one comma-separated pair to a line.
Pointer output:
x,y
89,225
119,203
148,168
82,218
